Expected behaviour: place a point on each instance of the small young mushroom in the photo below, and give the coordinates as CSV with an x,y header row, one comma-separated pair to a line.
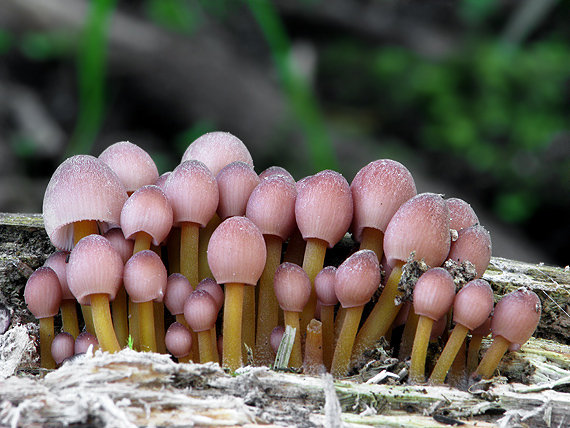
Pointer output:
x,y
292,290
84,341
461,215
211,286
201,313
472,306
378,190
145,280
515,318
236,255
419,227
473,243
433,297
324,288
356,280
276,337
62,347
323,210
236,181
43,297
94,275
179,342
276,170
271,207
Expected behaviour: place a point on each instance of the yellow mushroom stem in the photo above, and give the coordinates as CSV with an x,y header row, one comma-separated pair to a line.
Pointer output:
x,y
69,317
146,326
292,320
81,229
119,313
103,323
419,350
46,338
248,320
473,352
206,346
313,363
372,239
159,327
327,320
493,357
343,350
203,240
189,241
447,356
233,309
313,262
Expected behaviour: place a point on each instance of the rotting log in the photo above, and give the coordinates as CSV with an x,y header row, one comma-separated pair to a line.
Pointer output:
x,y
132,389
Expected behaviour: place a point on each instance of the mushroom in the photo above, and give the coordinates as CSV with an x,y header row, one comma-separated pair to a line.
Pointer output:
x,y
356,280
201,313
378,190
473,244
313,362
84,341
292,290
271,207
179,342
323,210
43,295
514,320
461,214
433,297
236,255
94,275
62,347
212,287
472,306
324,289
420,228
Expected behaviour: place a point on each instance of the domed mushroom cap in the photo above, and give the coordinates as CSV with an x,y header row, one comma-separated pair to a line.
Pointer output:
x,y
212,287
81,188
276,170
473,243
378,190
145,277
357,278
516,316
147,210
192,191
324,207
94,267
434,293
200,310
216,150
178,340
84,341
58,262
124,246
292,287
134,166
461,215
276,337
236,252
324,286
236,181
161,181
473,304
421,224
62,347
271,206
178,289
42,293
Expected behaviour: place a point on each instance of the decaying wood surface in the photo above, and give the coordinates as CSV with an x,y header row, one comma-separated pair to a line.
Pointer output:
x,y
132,389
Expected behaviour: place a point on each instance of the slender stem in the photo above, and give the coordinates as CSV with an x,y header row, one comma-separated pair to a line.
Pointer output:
x,y
195,352
159,327
292,320
146,326
382,315
327,320
372,239
68,308
189,239
214,341
103,323
339,321
312,264
88,319
204,238
82,229
268,307
143,242
313,363
205,345
120,317
248,320
493,357
46,338
473,352
419,350
448,354
343,350
408,334
233,308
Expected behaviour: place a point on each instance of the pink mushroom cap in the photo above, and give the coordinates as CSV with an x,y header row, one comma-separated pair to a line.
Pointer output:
x,y
276,170
271,206
147,210
211,286
324,286
201,310
461,215
134,166
193,193
217,149
84,341
292,287
43,293
378,190
94,267
473,304
178,288
473,243
236,181
145,277
357,278
421,224
62,347
434,293
236,252
324,207
516,316
178,340
58,262
124,246
276,337
81,188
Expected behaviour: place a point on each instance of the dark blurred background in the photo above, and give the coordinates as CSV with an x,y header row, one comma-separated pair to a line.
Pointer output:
x,y
472,96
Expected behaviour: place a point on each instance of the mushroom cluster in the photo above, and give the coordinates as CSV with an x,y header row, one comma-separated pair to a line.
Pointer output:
x,y
236,256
